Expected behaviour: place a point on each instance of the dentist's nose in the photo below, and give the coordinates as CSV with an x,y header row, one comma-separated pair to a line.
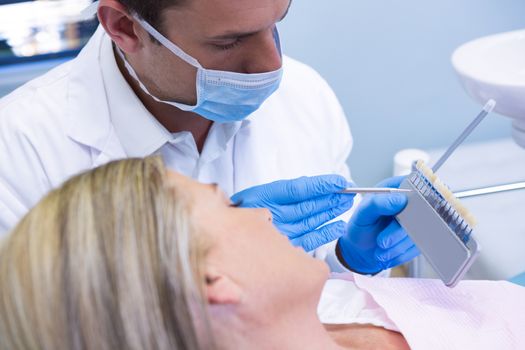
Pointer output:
x,y
264,53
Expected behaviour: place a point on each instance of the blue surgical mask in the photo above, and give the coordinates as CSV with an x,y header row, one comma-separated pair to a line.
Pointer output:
x,y
221,96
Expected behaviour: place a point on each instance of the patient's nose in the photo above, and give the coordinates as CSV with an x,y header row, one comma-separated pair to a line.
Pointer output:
x,y
266,214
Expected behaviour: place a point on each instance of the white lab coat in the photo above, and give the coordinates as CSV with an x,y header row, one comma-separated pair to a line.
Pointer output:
x,y
59,125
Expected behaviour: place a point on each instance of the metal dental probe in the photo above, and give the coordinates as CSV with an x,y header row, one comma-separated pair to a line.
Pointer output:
x,y
375,190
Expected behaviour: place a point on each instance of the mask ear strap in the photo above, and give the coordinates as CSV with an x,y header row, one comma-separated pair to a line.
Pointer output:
x,y
168,44
135,76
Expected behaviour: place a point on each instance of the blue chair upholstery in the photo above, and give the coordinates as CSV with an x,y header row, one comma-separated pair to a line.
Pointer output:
x,y
519,279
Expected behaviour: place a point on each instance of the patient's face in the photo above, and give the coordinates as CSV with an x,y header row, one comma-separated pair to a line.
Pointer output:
x,y
246,246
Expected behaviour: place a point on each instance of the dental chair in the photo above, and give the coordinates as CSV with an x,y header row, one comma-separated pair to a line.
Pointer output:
x,y
519,279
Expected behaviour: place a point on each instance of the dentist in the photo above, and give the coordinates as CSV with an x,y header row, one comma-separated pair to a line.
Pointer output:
x,y
205,84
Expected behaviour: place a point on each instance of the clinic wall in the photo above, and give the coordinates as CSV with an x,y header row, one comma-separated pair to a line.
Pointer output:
x,y
389,63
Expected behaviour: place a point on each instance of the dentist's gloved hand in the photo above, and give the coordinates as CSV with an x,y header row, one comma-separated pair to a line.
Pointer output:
x,y
301,205
375,241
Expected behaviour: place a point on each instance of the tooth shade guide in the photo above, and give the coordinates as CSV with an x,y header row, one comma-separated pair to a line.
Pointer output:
x,y
439,225
433,180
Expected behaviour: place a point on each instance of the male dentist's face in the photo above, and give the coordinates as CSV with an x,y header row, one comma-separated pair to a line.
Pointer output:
x,y
230,35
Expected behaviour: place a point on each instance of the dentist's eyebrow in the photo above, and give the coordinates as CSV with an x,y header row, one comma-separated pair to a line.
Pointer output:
x,y
234,35
238,35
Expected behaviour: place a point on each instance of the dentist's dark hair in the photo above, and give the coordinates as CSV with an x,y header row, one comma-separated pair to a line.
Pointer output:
x,y
151,10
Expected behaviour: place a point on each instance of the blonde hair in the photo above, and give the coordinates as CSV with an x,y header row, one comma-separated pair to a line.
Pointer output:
x,y
110,260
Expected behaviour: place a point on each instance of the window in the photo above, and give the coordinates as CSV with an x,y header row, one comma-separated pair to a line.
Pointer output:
x,y
40,30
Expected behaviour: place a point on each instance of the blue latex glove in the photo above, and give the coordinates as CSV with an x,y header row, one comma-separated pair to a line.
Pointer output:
x,y
301,205
375,241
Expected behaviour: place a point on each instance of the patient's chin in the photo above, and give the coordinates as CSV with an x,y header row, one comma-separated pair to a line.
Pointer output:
x,y
323,266
320,272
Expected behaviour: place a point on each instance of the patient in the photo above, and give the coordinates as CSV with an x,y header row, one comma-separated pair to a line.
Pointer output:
x,y
131,256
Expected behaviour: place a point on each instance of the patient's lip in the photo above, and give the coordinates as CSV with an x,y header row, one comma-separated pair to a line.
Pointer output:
x,y
299,249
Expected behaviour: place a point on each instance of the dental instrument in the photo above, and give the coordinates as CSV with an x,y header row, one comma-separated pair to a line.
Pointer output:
x,y
355,190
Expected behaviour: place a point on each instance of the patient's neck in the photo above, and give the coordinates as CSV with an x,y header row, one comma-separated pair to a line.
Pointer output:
x,y
298,331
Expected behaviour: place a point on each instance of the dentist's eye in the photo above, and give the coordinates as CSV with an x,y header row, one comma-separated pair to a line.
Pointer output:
x,y
229,46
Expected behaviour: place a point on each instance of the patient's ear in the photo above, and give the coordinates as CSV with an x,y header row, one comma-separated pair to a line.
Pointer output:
x,y
220,289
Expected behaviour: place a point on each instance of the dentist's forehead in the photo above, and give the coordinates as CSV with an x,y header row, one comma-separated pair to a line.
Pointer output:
x,y
233,17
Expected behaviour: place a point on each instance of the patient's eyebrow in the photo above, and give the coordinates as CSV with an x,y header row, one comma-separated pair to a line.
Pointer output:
x,y
215,188
223,195
219,192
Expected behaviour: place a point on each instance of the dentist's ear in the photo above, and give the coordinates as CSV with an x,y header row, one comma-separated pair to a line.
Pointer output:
x,y
221,290
119,25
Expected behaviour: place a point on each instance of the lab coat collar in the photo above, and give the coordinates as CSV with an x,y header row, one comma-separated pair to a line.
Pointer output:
x,y
136,128
223,134
87,109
